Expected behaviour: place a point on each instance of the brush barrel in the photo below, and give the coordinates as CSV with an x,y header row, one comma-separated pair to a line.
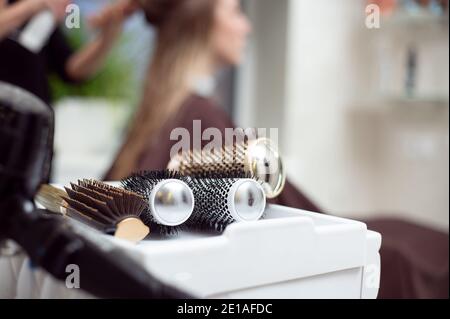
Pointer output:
x,y
171,202
220,202
258,157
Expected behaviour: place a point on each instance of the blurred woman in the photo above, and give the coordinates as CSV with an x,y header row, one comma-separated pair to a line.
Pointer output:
x,y
195,39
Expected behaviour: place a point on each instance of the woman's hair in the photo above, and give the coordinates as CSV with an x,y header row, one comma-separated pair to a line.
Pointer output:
x,y
183,38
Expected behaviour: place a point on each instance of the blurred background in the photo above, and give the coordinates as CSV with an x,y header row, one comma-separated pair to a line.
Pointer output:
x,y
362,112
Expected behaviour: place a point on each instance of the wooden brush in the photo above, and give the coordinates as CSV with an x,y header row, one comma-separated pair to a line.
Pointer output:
x,y
109,209
258,157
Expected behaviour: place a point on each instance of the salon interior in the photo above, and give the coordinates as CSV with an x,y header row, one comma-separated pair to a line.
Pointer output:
x,y
358,92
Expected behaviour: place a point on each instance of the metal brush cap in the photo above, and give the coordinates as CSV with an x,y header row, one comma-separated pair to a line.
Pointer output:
x,y
246,200
171,202
264,161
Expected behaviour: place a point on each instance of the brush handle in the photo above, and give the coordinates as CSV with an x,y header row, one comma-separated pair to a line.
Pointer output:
x,y
51,198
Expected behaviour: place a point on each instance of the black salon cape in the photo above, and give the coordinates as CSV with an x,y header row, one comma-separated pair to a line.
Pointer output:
x,y
28,70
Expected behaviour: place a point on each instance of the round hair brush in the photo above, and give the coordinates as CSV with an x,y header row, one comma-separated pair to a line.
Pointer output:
x,y
221,200
109,209
170,199
257,157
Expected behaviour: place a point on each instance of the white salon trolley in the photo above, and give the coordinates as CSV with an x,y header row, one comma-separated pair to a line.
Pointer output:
x,y
289,254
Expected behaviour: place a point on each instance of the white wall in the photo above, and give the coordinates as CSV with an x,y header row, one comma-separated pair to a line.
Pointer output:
x,y
352,151
88,133
261,82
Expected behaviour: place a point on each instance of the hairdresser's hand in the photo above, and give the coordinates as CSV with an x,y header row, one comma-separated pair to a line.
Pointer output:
x,y
57,7
87,61
13,15
110,20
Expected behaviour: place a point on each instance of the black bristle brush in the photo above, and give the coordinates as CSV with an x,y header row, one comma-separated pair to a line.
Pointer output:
x,y
222,199
170,200
109,209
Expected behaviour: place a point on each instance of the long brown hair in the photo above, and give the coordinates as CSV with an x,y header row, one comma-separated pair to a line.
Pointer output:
x,y
183,39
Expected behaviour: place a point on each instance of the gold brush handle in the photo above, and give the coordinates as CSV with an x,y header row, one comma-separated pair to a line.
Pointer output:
x,y
132,229
51,198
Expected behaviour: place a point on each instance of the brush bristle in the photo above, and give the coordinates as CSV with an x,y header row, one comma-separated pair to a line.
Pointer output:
x,y
211,187
222,174
230,159
211,211
102,205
